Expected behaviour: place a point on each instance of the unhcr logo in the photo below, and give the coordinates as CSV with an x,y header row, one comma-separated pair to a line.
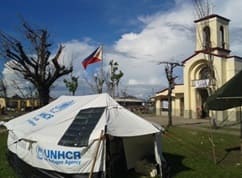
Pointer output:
x,y
59,157
49,113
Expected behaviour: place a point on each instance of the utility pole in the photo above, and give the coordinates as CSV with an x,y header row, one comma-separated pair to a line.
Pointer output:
x,y
169,67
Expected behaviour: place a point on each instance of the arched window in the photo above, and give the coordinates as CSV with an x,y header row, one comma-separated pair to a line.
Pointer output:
x,y
221,30
206,37
204,73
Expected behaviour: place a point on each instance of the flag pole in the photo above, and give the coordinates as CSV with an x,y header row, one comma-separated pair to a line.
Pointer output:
x,y
102,65
102,56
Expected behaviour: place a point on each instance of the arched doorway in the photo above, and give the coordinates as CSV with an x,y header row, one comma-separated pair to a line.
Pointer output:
x,y
203,95
202,91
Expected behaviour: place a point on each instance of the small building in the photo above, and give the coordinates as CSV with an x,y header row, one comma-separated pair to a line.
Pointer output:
x,y
132,103
177,101
17,103
206,70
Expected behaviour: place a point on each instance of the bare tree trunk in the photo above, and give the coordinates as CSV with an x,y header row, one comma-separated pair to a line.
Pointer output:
x,y
171,82
44,96
169,106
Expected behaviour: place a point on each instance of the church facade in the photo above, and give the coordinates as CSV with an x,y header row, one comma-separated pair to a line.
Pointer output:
x,y
206,70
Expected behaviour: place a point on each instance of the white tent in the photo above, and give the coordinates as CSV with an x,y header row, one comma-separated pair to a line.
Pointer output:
x,y
69,135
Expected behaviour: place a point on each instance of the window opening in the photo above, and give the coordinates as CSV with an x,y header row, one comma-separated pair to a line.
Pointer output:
x,y
204,73
78,133
206,32
222,37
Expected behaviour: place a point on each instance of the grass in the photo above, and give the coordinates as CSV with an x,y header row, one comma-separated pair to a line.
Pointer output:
x,y
189,153
5,170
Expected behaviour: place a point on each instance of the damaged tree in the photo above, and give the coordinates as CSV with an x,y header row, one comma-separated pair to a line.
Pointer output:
x,y
171,83
37,66
72,84
115,77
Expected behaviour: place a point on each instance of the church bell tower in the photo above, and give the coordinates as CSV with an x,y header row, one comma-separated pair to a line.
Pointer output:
x,y
212,35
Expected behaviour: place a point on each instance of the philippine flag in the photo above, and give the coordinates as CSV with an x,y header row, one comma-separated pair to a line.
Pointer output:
x,y
96,56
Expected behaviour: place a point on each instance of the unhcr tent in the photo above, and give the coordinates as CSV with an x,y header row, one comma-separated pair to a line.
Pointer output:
x,y
81,135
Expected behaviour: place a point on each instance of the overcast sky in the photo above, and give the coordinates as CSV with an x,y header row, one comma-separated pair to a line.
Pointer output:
x,y
136,33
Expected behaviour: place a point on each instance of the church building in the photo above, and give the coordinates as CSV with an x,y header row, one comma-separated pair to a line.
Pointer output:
x,y
206,70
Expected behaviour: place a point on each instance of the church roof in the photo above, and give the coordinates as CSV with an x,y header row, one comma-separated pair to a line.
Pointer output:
x,y
211,16
205,52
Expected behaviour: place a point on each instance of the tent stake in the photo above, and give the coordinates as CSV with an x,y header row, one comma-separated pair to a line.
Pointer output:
x,y
95,157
